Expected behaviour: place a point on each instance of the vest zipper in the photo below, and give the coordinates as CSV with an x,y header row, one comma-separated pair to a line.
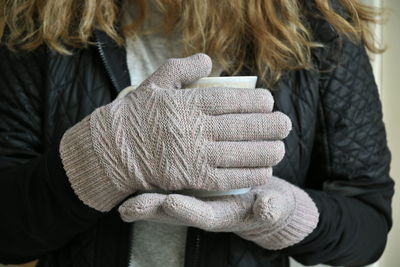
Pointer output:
x,y
196,249
130,245
107,66
192,257
116,85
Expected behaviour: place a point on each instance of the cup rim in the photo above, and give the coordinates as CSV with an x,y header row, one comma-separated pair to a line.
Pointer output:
x,y
229,77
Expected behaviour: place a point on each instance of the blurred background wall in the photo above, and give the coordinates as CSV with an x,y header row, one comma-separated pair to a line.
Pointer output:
x,y
390,93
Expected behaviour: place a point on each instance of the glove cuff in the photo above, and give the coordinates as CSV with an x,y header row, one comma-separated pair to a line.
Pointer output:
x,y
85,171
299,217
298,225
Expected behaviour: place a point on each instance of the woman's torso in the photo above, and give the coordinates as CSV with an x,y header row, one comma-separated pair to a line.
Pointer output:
x,y
76,85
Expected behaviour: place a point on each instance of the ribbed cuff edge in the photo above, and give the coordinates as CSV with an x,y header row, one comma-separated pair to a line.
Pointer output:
x,y
84,170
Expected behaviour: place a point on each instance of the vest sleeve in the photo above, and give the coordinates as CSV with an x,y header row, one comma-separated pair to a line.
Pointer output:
x,y
349,176
40,212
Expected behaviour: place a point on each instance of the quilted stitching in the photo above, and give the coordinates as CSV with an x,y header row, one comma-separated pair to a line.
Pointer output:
x,y
22,131
352,107
82,88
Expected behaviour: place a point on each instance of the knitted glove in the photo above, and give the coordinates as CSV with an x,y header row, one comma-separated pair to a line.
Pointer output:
x,y
158,137
275,215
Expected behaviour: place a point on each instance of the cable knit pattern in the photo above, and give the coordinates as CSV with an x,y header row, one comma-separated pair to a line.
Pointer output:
x,y
275,215
157,137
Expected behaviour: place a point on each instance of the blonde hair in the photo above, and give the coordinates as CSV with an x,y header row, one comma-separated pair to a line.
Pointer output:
x,y
275,31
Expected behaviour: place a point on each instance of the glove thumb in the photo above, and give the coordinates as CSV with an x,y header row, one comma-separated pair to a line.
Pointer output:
x,y
175,73
268,208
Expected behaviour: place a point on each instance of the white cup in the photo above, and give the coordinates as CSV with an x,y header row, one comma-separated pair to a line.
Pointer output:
x,y
228,81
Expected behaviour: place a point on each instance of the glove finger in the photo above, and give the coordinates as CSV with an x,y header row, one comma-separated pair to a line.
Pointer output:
x,y
205,214
217,101
246,154
177,72
249,127
222,179
141,207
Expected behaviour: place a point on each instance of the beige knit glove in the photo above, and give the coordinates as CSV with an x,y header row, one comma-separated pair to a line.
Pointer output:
x,y
158,137
275,215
